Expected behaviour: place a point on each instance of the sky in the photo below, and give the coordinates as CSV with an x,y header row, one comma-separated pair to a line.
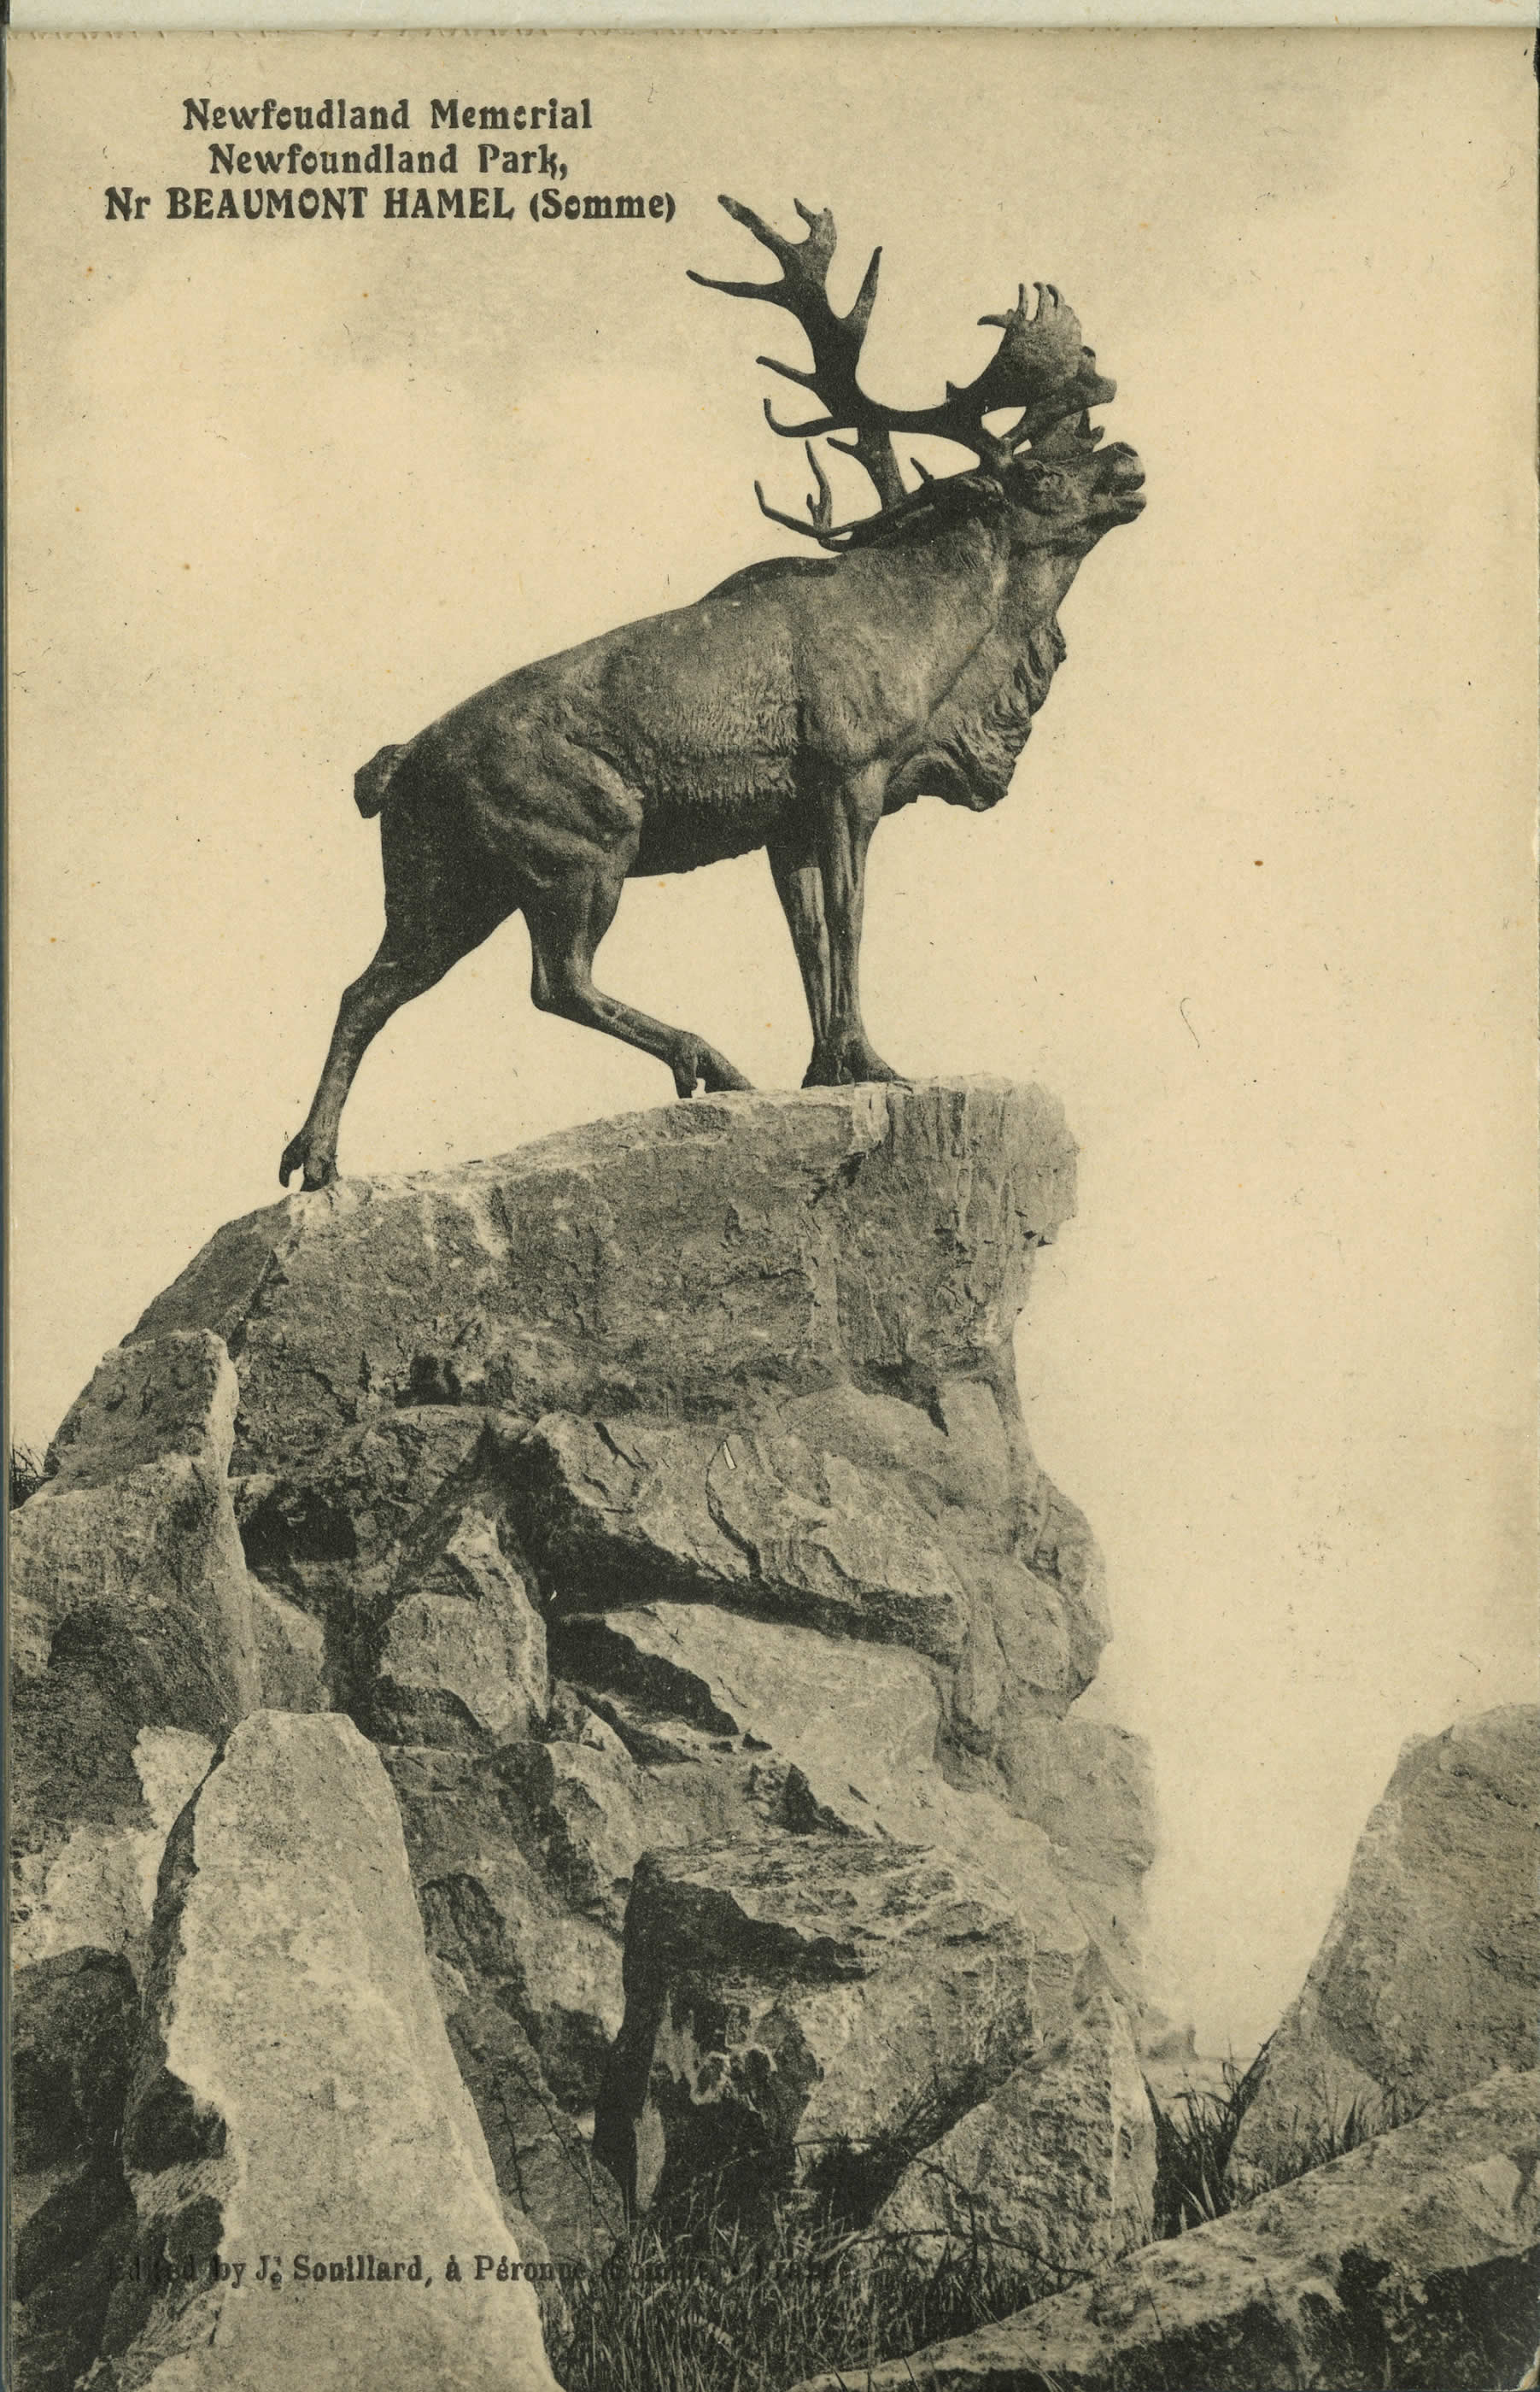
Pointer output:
x,y
1259,907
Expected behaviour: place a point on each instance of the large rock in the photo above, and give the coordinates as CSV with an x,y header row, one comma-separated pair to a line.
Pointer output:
x,y
93,1805
127,1555
1057,2170
819,2007
459,1646
1429,1976
646,1263
852,1739
295,2096
1414,2261
139,1639
663,1490
74,2022
632,1508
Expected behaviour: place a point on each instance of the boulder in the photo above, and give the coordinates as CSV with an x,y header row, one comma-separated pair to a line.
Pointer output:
x,y
459,1654
95,1799
1429,1976
646,1263
295,2104
74,2020
325,1533
628,1508
852,1738
1055,2170
497,1915
523,1863
1412,2261
126,1562
818,2008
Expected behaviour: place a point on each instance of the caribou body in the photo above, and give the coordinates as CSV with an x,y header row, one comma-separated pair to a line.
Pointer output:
x,y
790,709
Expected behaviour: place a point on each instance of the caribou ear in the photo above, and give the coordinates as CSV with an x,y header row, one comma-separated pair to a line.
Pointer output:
x,y
1068,441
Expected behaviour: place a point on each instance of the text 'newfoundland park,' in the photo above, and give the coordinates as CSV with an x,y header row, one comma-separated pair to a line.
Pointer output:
x,y
273,161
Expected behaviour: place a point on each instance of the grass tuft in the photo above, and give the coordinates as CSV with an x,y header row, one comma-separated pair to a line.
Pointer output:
x,y
1193,2142
26,1474
702,2301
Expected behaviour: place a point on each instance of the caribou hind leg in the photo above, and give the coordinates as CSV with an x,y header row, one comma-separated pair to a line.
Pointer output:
x,y
440,902
386,984
566,921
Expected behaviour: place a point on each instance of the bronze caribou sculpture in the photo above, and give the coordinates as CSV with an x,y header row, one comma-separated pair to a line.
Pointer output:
x,y
790,709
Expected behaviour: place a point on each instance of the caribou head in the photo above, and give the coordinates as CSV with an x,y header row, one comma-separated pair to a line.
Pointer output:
x,y
1041,460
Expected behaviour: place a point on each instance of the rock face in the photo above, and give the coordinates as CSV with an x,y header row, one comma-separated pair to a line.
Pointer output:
x,y
132,1641
74,2020
294,2093
1058,2167
658,1503
814,2003
1414,2261
1429,1976
645,1264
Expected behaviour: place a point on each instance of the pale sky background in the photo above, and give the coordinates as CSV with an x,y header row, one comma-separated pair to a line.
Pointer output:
x,y
1259,908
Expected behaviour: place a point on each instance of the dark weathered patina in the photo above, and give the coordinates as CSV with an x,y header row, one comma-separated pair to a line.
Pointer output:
x,y
790,709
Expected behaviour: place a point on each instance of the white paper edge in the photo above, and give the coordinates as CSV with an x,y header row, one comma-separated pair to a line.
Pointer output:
x,y
343,16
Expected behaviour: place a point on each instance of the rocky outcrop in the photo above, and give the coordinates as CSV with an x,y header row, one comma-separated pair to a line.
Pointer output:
x,y
647,1264
295,2105
755,1352
658,1503
1429,1976
1412,2261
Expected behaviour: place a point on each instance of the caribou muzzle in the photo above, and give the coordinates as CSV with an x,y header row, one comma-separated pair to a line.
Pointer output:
x,y
1120,482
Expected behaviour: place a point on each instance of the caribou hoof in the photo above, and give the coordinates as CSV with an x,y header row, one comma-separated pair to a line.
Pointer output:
x,y
297,1157
700,1065
852,1071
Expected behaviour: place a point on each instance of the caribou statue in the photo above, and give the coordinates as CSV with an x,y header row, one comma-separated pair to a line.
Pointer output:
x,y
790,709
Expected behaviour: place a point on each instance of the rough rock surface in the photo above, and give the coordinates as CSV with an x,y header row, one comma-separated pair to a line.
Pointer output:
x,y
137,1640
74,2020
1057,2167
662,1488
818,1999
1429,1976
129,1549
294,2092
645,1264
1414,2261
460,1651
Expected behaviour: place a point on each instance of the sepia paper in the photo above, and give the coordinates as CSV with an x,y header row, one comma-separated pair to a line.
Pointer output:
x,y
289,480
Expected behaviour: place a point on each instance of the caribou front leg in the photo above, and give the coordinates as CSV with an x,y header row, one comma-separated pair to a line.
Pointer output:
x,y
799,886
844,1054
565,925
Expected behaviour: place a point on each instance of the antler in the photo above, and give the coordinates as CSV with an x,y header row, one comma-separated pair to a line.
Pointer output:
x,y
835,342
1042,366
1039,368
